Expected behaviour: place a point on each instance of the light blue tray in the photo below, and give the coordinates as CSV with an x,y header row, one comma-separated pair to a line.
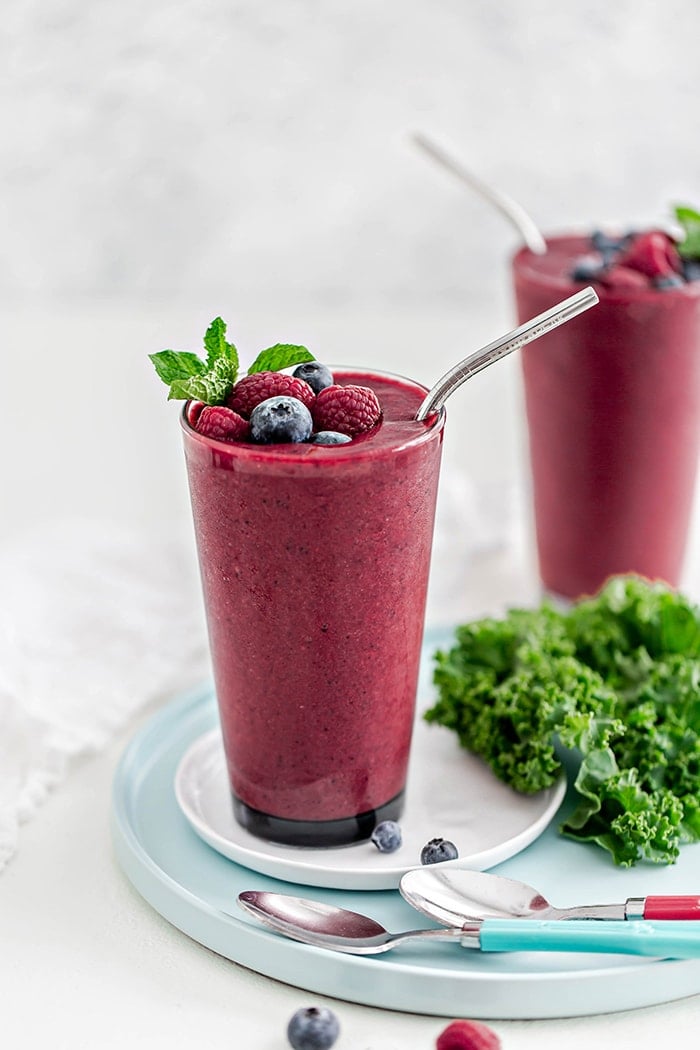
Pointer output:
x,y
193,886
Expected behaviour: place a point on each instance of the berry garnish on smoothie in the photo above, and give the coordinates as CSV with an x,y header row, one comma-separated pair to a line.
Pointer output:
x,y
649,259
267,405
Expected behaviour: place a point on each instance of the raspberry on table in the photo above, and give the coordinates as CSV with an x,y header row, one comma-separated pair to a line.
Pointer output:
x,y
346,409
251,390
222,424
467,1035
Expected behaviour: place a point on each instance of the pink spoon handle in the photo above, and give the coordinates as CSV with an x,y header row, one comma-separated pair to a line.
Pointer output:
x,y
672,908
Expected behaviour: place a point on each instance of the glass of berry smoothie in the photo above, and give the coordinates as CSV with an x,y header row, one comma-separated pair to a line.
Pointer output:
x,y
314,553
613,409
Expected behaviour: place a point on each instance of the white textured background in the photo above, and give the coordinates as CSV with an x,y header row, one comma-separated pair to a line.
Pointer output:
x,y
257,151
165,162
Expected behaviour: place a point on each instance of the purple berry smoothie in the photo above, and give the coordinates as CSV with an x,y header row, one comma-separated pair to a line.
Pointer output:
x,y
314,563
613,410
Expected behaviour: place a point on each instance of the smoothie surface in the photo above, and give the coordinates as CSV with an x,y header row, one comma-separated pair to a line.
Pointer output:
x,y
553,271
399,399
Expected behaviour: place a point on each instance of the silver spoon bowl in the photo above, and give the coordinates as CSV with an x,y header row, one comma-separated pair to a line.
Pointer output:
x,y
452,896
325,926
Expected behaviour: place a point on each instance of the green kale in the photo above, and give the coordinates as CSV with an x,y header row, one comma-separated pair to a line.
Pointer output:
x,y
616,681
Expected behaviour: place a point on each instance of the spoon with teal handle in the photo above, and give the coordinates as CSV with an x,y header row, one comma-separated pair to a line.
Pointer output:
x,y
326,926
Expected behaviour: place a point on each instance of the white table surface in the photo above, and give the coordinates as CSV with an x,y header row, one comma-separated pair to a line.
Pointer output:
x,y
85,962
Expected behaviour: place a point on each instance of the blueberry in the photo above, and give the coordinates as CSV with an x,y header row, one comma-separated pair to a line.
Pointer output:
x,y
330,437
691,269
438,850
387,836
586,268
606,245
280,419
313,1028
668,280
315,374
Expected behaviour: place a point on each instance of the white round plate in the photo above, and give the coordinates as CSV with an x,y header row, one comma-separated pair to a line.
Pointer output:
x,y
450,793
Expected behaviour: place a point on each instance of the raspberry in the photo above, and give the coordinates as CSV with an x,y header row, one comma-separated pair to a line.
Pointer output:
x,y
346,409
467,1035
192,411
623,277
652,254
251,390
220,423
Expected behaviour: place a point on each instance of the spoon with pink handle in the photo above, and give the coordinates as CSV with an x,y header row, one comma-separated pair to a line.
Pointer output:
x,y
451,895
487,355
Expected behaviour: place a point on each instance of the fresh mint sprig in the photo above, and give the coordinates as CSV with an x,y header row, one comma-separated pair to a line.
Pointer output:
x,y
216,346
689,219
279,356
212,386
210,379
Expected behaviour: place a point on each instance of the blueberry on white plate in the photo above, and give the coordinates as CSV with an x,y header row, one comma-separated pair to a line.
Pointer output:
x,y
387,836
437,850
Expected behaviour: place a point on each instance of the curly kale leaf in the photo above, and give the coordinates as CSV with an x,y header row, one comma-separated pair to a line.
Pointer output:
x,y
616,680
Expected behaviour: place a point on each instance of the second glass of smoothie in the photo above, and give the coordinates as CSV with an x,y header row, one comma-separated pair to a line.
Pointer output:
x,y
613,412
314,563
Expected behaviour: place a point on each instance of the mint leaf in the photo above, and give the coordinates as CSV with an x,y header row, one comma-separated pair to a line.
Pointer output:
x,y
216,346
279,356
189,377
176,364
689,219
212,386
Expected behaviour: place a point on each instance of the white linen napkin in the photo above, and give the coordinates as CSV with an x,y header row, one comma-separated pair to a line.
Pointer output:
x,y
97,623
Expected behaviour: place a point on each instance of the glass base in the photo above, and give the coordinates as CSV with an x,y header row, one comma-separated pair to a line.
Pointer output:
x,y
315,833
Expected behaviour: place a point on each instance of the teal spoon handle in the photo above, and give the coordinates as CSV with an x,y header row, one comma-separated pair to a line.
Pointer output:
x,y
671,939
